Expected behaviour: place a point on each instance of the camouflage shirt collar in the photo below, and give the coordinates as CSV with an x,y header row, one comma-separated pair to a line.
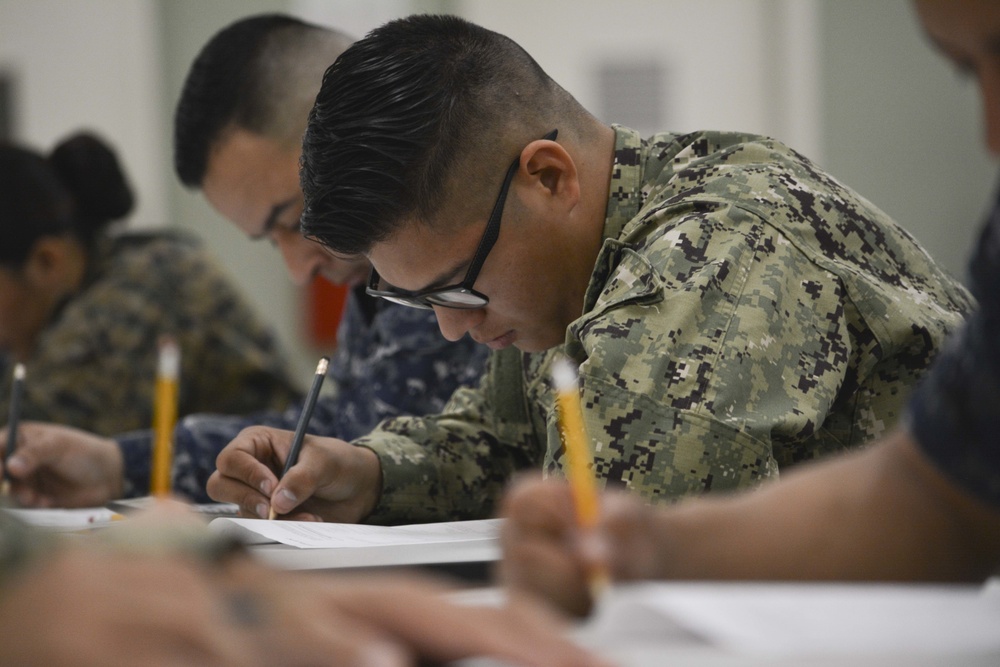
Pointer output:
x,y
625,195
625,199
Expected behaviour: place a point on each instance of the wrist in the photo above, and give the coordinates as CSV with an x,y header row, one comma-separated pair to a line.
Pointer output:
x,y
370,476
116,469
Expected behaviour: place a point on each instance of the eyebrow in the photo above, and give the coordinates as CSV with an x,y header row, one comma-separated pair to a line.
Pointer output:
x,y
448,276
272,219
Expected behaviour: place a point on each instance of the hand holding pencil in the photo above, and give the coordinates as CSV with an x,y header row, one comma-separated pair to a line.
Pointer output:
x,y
14,416
304,417
555,538
579,464
322,478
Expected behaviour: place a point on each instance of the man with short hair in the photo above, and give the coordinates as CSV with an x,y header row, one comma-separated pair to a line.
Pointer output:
x,y
237,136
733,310
922,504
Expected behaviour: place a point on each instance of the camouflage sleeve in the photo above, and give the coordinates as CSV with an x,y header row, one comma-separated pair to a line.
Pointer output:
x,y
400,364
711,348
454,465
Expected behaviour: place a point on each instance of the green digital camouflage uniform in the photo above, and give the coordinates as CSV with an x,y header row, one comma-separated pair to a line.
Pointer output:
x,y
746,312
94,365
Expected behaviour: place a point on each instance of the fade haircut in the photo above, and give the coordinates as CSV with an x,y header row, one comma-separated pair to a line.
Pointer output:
x,y
422,112
259,74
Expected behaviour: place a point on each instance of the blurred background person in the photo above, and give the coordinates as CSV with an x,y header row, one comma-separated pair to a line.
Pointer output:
x,y
83,308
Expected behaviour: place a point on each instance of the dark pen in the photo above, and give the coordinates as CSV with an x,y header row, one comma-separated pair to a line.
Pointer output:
x,y
300,429
17,389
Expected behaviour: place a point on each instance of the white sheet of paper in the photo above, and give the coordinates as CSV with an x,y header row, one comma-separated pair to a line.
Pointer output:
x,y
799,619
307,535
64,519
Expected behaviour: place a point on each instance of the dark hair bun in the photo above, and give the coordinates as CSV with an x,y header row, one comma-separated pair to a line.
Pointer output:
x,y
89,169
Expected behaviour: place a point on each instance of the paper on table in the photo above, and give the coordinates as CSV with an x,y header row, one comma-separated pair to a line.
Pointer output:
x,y
799,619
307,535
64,519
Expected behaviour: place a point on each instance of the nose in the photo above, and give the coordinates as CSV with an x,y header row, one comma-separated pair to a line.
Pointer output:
x,y
455,322
302,257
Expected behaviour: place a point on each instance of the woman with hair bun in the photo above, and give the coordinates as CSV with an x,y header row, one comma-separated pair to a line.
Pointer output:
x,y
83,307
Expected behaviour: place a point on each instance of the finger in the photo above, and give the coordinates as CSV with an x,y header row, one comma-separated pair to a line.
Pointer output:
x,y
549,571
255,449
223,489
627,537
329,636
538,507
40,446
177,617
421,617
317,467
249,461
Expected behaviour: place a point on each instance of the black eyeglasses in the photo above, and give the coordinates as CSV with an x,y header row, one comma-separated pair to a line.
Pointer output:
x,y
461,295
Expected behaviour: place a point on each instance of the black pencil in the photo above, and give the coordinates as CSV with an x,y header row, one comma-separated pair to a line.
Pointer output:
x,y
17,388
300,429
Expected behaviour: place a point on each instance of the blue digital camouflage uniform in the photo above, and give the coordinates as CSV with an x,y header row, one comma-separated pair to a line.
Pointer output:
x,y
955,412
94,365
746,312
390,361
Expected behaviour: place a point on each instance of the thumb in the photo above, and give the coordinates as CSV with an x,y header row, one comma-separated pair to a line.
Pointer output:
x,y
32,453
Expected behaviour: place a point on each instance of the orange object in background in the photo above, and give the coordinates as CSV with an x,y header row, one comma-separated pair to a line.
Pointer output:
x,y
324,308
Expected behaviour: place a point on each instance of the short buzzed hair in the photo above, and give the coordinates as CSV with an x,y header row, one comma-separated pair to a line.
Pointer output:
x,y
258,74
418,106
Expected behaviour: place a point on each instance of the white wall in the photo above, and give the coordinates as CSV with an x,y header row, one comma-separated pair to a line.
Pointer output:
x,y
93,65
727,64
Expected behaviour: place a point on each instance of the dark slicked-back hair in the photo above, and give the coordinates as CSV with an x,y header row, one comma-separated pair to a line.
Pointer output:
x,y
259,74
78,190
420,107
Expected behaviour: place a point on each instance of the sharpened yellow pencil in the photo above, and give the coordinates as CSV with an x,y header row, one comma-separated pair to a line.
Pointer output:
x,y
579,461
165,416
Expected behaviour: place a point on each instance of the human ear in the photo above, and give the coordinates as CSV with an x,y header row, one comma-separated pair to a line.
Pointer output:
x,y
552,170
46,263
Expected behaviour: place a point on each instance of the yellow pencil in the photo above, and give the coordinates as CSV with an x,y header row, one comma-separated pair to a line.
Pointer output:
x,y
579,461
164,416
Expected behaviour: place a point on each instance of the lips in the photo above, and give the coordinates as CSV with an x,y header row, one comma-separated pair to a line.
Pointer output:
x,y
500,342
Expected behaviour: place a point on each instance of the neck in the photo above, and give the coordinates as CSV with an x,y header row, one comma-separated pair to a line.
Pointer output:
x,y
594,161
596,165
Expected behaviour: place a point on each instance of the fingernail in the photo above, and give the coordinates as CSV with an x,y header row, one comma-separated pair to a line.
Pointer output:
x,y
15,463
265,487
262,510
594,547
381,654
285,501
